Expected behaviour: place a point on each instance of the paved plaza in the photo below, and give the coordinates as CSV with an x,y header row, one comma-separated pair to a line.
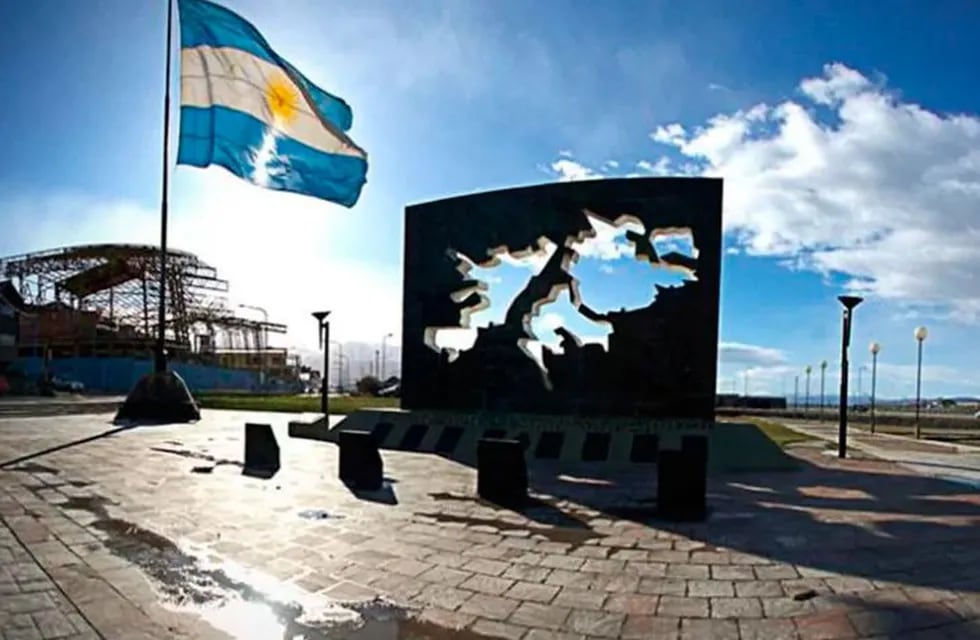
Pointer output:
x,y
154,532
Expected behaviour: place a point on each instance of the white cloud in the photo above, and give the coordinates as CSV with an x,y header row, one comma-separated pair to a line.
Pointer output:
x,y
568,170
660,168
609,241
608,269
611,164
887,193
749,355
670,134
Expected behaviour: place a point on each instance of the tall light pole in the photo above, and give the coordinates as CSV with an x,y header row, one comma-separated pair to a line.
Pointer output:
x,y
920,335
849,303
384,353
377,364
874,349
806,403
323,332
823,376
796,392
262,340
745,383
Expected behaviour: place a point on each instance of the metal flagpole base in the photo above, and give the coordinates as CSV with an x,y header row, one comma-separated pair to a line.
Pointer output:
x,y
159,398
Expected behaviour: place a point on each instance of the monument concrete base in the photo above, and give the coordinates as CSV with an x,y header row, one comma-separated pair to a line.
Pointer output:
x,y
159,398
571,439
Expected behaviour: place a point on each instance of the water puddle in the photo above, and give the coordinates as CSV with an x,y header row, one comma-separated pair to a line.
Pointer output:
x,y
33,467
576,535
195,455
233,599
319,514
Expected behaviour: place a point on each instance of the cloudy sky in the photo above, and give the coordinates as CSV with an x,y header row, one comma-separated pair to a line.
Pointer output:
x,y
849,141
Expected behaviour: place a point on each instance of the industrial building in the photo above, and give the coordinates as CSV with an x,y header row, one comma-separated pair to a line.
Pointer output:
x,y
89,313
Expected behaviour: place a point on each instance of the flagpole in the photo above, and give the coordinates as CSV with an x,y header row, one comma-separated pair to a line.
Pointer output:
x,y
160,360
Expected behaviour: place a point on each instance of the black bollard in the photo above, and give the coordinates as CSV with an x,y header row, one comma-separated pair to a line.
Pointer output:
x,y
360,461
501,472
682,480
261,450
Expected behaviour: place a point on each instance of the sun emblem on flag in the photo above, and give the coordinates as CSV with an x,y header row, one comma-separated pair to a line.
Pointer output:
x,y
283,99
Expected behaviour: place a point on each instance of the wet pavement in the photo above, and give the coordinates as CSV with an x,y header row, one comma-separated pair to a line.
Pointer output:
x,y
156,532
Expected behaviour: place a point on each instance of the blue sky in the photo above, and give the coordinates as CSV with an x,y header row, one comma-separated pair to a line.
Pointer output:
x,y
847,137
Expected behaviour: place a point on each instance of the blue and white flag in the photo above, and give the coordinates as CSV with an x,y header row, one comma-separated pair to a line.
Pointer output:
x,y
244,108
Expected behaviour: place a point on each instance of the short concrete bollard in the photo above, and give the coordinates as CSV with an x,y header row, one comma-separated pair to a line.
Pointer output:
x,y
682,480
360,460
501,472
261,450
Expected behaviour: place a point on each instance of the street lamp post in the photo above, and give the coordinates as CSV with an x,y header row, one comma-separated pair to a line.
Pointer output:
x,y
384,354
874,349
849,303
377,364
920,335
823,375
806,402
796,392
323,332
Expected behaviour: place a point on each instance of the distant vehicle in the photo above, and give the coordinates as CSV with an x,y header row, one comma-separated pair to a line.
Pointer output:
x,y
391,391
69,386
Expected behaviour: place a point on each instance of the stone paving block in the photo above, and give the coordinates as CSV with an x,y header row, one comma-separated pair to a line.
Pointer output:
x,y
52,624
670,557
487,566
662,586
487,584
759,589
825,626
349,592
567,563
776,572
596,623
444,576
629,555
647,569
527,573
496,629
709,557
487,606
586,551
575,579
450,620
533,592
604,566
678,607
645,627
736,608
22,633
688,571
533,614
731,572
622,583
693,629
767,629
710,588
547,634
26,603
636,604
580,599
785,607
849,584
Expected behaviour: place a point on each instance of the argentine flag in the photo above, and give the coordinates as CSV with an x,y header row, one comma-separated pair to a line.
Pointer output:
x,y
244,108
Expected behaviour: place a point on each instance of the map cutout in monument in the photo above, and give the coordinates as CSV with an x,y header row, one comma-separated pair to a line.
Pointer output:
x,y
640,339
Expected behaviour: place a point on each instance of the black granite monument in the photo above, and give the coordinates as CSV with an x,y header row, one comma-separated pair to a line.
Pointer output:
x,y
661,357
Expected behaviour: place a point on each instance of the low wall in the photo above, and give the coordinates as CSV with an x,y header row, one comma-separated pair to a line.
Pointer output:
x,y
926,420
118,375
